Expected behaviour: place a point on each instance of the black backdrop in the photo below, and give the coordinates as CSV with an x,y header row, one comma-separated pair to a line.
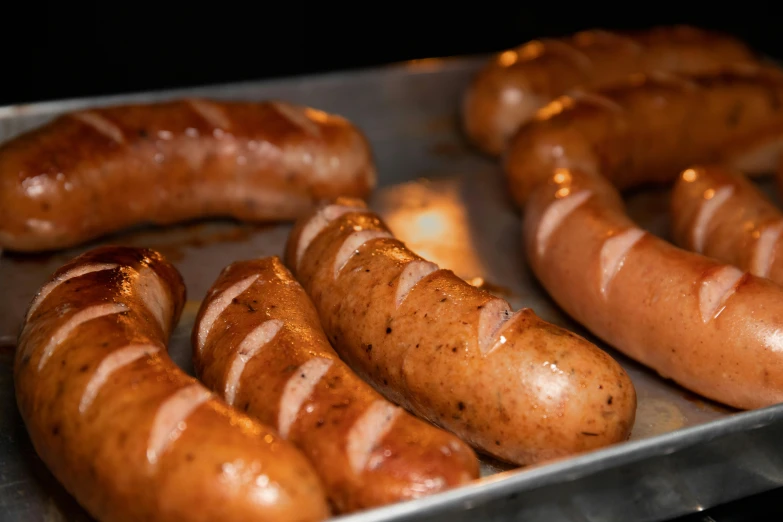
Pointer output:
x,y
68,49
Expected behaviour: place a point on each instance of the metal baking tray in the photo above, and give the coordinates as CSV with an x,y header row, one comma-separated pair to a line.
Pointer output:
x,y
448,204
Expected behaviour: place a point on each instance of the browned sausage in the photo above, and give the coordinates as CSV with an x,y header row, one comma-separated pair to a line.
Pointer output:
x,y
718,212
125,431
510,384
647,130
258,342
710,327
507,91
94,172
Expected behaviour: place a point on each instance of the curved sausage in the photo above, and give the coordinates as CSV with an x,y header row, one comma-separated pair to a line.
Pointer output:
x,y
507,91
125,431
719,212
710,327
508,383
93,172
646,130
258,343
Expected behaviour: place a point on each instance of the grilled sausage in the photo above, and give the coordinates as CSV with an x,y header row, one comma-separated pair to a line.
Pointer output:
x,y
647,130
710,327
93,172
258,343
717,211
125,431
510,384
507,91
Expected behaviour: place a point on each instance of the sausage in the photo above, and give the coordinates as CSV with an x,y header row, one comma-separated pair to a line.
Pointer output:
x,y
129,434
646,130
717,211
508,383
710,327
514,84
259,344
90,173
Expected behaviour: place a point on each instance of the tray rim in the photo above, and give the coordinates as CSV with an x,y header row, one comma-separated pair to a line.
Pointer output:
x,y
501,484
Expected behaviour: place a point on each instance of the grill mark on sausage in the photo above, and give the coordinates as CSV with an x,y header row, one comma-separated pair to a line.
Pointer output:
x,y
70,274
154,296
413,272
713,200
171,419
368,431
765,249
554,215
79,318
110,364
218,305
492,317
250,346
211,113
100,124
716,289
298,388
613,254
352,244
317,223
298,117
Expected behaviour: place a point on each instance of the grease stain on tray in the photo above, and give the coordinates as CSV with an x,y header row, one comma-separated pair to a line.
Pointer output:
x,y
657,416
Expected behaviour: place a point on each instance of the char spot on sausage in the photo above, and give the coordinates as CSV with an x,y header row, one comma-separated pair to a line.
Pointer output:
x,y
250,346
388,330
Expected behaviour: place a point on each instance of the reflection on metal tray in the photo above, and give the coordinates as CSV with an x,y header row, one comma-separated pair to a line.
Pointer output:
x,y
449,205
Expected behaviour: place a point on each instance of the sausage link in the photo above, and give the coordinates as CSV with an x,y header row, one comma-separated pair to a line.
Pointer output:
x,y
506,93
719,212
129,434
90,173
258,343
710,327
648,129
510,384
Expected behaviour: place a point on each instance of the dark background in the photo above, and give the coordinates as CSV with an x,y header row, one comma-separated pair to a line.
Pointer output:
x,y
65,50
62,50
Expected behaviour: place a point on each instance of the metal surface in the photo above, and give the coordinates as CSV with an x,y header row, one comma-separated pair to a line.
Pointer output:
x,y
449,205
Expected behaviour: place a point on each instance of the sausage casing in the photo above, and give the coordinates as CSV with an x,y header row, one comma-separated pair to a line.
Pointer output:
x,y
90,173
711,327
510,384
717,211
259,343
129,434
646,130
507,91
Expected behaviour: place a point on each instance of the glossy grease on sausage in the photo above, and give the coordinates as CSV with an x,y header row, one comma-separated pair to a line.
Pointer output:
x,y
710,327
263,349
717,211
509,383
507,91
129,434
647,129
93,172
